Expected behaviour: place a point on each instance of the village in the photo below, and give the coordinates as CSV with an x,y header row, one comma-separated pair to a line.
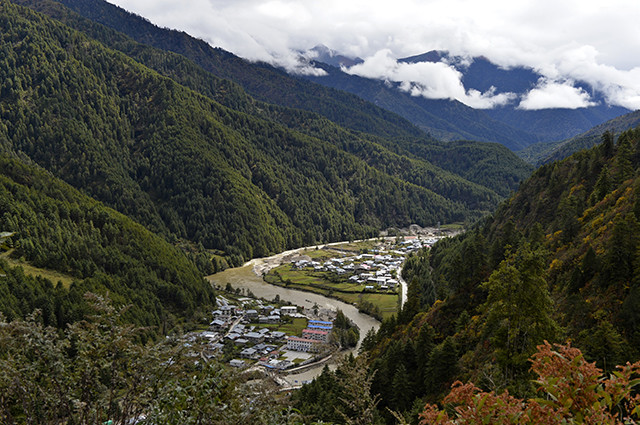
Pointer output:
x,y
247,334
250,332
366,274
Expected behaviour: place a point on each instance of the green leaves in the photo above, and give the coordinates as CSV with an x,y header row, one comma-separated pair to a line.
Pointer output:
x,y
96,372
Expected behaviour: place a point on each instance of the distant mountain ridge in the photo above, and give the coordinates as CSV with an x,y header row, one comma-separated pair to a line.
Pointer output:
x,y
449,119
544,153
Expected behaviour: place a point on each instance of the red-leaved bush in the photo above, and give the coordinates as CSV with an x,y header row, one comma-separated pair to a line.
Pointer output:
x,y
571,391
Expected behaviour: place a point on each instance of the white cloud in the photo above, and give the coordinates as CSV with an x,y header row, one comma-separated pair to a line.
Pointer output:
x,y
552,94
581,40
427,79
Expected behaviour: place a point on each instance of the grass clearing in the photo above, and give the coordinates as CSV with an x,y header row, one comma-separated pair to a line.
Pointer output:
x,y
318,254
295,327
29,270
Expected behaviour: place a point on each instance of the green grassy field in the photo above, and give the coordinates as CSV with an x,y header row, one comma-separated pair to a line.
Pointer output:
x,y
30,270
295,327
318,282
318,254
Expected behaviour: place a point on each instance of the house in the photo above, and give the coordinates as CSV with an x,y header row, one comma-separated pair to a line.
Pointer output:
x,y
228,310
254,337
276,335
232,336
248,353
251,314
317,334
295,343
289,310
273,319
218,346
209,335
218,325
237,363
241,341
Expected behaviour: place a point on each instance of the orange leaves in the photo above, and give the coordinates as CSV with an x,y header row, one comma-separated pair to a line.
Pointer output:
x,y
571,389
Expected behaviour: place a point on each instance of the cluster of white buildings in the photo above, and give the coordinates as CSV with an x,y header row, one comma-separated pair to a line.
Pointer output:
x,y
414,244
372,270
231,325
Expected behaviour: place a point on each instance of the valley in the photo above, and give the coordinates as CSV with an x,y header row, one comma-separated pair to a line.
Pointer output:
x,y
191,237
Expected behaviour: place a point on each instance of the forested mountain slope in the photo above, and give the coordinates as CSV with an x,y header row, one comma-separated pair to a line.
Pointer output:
x,y
58,228
463,159
490,165
186,166
260,80
558,261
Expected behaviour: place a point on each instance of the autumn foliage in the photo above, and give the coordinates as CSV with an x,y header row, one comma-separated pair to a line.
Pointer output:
x,y
570,390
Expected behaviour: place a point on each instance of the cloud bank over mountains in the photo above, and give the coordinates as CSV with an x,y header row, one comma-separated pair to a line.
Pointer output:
x,y
565,41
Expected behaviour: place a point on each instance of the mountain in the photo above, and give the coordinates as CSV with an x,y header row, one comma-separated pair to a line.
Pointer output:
x,y
450,119
260,80
543,153
247,181
442,119
322,53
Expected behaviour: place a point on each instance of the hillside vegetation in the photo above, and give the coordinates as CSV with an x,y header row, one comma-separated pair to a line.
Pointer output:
x,y
205,73
58,228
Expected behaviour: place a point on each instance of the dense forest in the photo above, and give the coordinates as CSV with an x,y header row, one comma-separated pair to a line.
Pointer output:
x,y
57,228
243,183
557,262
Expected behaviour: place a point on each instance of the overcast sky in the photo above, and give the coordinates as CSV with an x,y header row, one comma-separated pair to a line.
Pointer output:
x,y
565,40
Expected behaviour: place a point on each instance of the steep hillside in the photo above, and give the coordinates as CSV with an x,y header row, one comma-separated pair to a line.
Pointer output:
x,y
187,166
208,83
57,228
558,261
507,168
260,80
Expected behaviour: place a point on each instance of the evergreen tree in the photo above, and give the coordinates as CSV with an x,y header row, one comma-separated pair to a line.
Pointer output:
x,y
518,309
